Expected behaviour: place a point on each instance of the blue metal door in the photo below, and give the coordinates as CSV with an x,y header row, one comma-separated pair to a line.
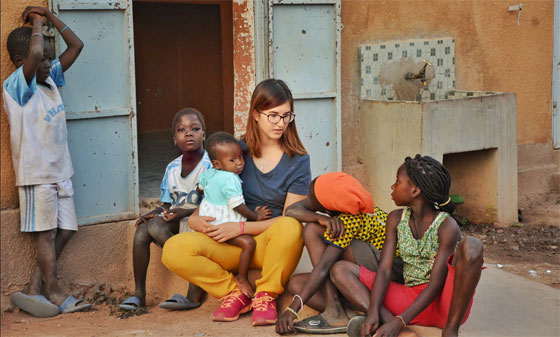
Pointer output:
x,y
304,51
99,97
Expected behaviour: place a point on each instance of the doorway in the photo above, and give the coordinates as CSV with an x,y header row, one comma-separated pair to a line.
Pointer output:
x,y
183,58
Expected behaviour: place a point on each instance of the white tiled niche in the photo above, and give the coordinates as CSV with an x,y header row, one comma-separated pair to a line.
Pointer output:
x,y
440,52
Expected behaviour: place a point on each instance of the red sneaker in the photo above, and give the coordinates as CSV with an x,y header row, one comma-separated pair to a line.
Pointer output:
x,y
233,305
264,309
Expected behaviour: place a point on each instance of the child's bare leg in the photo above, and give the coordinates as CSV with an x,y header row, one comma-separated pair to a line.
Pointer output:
x,y
36,281
468,267
333,309
346,276
140,260
248,245
46,258
295,285
155,230
195,293
297,282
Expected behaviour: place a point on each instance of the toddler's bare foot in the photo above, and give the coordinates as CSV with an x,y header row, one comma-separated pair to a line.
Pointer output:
x,y
245,286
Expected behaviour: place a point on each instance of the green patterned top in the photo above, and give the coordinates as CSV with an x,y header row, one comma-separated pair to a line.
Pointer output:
x,y
418,255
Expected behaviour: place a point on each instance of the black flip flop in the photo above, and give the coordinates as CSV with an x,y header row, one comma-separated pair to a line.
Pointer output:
x,y
355,325
317,325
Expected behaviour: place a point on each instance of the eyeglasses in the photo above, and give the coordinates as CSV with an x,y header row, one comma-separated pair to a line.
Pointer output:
x,y
275,118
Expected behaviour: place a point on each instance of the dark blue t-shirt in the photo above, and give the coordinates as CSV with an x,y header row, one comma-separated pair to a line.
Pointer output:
x,y
292,174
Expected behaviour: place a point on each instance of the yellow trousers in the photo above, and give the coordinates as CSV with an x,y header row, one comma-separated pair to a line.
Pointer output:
x,y
209,264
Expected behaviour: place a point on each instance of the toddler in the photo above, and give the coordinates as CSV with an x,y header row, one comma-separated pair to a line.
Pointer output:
x,y
223,198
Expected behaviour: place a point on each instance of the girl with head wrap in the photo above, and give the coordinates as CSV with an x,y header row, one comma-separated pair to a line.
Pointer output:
x,y
350,219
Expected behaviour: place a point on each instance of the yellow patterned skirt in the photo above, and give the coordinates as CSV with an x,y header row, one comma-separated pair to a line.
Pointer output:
x,y
367,227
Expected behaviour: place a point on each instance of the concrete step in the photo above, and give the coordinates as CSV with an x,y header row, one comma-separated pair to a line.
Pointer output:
x,y
556,183
534,185
545,211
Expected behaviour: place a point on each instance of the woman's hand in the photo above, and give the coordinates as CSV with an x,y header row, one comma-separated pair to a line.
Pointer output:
x,y
225,231
335,227
390,329
285,323
199,223
370,325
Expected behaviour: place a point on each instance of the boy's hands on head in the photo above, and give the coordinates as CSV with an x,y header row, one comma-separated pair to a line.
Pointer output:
x,y
74,44
263,212
335,227
30,11
36,19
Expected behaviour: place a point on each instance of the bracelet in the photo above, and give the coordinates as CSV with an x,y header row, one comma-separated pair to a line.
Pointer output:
x,y
242,227
402,320
293,312
301,301
63,29
37,34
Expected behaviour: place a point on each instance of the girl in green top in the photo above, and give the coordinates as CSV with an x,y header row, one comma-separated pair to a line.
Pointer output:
x,y
432,250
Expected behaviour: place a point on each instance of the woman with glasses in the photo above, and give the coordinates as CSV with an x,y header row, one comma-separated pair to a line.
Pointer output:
x,y
277,174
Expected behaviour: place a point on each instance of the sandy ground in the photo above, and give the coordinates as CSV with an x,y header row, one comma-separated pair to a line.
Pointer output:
x,y
514,249
530,251
156,322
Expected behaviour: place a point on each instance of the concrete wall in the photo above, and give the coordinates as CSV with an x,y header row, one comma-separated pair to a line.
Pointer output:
x,y
478,132
11,19
492,53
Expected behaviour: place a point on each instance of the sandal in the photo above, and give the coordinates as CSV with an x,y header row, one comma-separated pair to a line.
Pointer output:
x,y
317,325
355,325
132,303
178,302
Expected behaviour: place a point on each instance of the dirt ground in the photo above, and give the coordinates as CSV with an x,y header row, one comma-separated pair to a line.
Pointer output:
x,y
531,251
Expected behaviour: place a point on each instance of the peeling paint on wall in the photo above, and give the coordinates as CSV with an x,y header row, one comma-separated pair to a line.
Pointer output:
x,y
243,61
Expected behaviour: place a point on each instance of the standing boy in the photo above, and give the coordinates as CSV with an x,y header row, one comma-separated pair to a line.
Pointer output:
x,y
40,155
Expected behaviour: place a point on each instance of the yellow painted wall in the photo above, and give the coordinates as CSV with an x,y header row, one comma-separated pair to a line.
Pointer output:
x,y
11,19
492,53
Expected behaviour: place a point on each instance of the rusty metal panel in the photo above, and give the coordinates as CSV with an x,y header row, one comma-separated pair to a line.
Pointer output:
x,y
100,102
304,51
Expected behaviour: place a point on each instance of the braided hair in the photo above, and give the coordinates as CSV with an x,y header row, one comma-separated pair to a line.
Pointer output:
x,y
18,42
433,180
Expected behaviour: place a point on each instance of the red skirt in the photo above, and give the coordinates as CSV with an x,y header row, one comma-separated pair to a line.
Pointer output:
x,y
399,297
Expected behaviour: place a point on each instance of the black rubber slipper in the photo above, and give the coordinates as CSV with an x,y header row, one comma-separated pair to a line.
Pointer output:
x,y
317,325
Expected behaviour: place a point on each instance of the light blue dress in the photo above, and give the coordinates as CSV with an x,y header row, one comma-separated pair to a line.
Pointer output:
x,y
222,193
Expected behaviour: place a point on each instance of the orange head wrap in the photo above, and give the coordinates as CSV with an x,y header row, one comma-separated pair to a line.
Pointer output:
x,y
338,191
